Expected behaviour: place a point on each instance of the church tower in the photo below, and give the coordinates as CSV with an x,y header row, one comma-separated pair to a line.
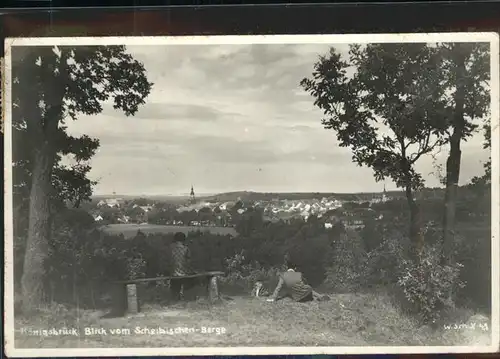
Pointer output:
x,y
384,195
192,198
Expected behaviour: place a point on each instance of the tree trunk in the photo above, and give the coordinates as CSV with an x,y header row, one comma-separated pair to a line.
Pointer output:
x,y
42,125
77,202
450,200
453,165
38,229
416,236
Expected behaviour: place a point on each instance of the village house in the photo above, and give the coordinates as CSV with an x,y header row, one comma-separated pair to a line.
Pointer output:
x,y
110,202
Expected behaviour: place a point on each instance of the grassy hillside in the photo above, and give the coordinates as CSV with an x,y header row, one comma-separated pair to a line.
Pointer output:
x,y
345,320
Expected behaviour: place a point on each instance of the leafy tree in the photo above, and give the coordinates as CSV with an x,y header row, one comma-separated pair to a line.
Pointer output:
x,y
389,111
158,216
480,186
350,205
466,73
237,206
365,205
371,234
110,214
140,201
52,85
188,216
70,184
205,214
137,214
250,221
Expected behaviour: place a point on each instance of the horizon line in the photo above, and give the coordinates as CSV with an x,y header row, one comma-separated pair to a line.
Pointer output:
x,y
186,194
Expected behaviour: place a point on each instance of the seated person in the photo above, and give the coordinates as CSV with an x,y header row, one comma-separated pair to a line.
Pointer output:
x,y
294,286
181,261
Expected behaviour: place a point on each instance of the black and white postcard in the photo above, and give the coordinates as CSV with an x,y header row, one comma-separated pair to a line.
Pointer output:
x,y
319,194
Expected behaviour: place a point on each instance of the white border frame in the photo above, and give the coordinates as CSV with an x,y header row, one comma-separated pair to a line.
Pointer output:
x,y
491,38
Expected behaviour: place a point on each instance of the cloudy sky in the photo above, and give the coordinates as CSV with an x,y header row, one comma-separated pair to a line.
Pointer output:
x,y
230,118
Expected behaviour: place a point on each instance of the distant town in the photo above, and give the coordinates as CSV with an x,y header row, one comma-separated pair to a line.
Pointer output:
x,y
224,209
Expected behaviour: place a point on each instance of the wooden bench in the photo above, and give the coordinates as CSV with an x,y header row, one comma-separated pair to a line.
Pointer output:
x,y
125,298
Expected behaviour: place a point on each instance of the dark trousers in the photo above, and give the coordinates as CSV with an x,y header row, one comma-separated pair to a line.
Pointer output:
x,y
307,298
181,283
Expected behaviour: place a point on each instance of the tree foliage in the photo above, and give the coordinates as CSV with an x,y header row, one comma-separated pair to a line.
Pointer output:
x,y
91,75
485,178
466,81
386,104
386,108
466,66
52,85
70,183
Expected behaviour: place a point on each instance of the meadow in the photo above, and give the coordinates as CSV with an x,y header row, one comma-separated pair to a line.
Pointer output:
x,y
130,230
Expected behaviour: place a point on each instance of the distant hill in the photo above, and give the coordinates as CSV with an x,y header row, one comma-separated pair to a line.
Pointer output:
x,y
361,196
268,196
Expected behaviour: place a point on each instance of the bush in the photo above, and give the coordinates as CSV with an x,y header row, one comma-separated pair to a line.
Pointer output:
x,y
427,289
428,285
312,257
241,275
80,266
347,270
209,250
83,260
384,261
474,252
136,267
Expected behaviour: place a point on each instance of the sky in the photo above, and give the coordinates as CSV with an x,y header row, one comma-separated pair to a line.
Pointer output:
x,y
233,118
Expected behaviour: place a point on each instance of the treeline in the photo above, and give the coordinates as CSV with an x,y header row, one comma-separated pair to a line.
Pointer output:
x,y
83,260
163,214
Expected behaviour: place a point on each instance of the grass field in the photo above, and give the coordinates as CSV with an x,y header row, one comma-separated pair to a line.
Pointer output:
x,y
130,230
345,320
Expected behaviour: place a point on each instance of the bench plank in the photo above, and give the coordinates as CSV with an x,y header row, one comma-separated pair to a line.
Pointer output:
x,y
197,275
126,295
